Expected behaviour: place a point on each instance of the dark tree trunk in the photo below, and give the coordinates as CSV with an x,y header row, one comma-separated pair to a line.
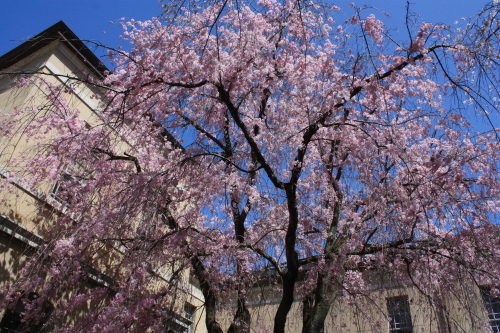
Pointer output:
x,y
290,277
241,321
285,304
210,298
315,316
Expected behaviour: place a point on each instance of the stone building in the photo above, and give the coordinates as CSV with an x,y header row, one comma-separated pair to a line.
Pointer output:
x,y
58,57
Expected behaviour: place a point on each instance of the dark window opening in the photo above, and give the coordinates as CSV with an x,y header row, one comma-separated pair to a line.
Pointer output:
x,y
64,189
492,305
13,319
61,189
181,324
398,310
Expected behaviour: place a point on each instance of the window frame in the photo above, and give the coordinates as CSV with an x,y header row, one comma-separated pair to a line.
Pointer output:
x,y
492,307
67,178
182,323
399,314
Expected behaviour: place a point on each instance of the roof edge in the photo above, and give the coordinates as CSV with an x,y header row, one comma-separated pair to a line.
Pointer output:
x,y
58,31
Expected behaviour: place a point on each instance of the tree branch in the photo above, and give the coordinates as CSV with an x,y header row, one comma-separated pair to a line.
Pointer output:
x,y
266,256
233,110
113,157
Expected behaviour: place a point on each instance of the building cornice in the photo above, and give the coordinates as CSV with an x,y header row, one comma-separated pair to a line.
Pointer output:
x,y
61,32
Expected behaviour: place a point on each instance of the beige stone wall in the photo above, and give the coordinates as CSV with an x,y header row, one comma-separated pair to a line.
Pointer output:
x,y
464,312
24,203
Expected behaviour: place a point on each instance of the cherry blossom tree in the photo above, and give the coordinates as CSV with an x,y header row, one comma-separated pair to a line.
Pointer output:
x,y
277,141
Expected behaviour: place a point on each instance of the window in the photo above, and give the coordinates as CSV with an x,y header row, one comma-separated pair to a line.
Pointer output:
x,y
62,191
398,310
12,320
492,305
181,324
189,310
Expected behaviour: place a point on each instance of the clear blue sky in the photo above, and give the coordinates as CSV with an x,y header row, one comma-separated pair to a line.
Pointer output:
x,y
89,19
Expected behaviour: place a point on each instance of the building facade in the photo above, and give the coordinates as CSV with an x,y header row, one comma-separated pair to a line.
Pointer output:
x,y
56,58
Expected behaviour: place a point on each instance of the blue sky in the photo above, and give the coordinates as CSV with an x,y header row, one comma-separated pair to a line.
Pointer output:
x,y
91,19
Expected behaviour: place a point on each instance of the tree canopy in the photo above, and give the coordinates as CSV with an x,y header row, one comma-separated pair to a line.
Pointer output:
x,y
271,139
